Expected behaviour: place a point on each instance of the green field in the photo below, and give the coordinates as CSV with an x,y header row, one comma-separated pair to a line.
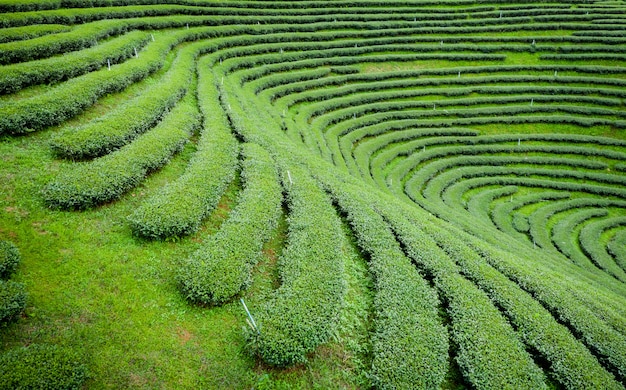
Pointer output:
x,y
405,194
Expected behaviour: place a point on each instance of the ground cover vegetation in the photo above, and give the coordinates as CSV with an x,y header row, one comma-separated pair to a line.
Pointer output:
x,y
313,194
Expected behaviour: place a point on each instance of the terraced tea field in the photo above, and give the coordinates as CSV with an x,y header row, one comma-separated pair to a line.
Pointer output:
x,y
405,194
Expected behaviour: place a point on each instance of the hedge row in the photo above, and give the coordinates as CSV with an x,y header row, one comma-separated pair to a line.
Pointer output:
x,y
282,15
30,32
105,179
404,168
567,298
278,90
335,111
569,361
591,244
182,205
488,351
481,204
89,14
134,117
78,38
565,237
55,69
304,311
403,110
433,188
313,91
32,5
409,343
584,57
40,366
617,248
609,309
220,269
369,154
74,96
12,294
502,212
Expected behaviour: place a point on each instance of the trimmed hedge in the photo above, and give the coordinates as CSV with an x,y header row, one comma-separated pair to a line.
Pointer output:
x,y
565,238
9,258
591,244
409,343
29,32
134,117
74,96
221,268
304,311
566,298
107,178
481,204
12,300
571,364
41,366
182,205
617,248
489,353
51,70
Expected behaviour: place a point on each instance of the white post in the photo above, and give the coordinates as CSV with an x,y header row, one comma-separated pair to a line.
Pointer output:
x,y
136,55
187,26
531,102
152,36
556,72
289,176
250,316
434,107
109,64
519,141
459,76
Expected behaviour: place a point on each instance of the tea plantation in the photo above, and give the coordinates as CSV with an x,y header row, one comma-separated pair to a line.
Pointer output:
x,y
318,194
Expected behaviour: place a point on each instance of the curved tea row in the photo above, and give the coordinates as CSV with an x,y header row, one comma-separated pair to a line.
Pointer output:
x,y
494,241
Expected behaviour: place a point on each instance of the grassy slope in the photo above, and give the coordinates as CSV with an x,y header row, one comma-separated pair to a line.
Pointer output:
x,y
113,298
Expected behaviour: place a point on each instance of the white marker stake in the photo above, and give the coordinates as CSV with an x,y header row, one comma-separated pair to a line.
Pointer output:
x,y
136,55
250,316
187,26
556,72
152,37
531,102
109,64
289,176
459,76
519,141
